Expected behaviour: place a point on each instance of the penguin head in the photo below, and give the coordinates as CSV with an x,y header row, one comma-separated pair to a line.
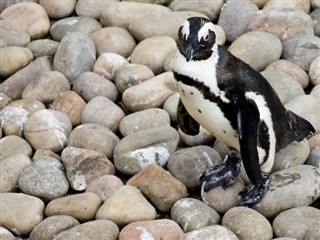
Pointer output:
x,y
196,39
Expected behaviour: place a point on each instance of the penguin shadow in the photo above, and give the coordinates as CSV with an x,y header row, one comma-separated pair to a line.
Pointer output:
x,y
282,180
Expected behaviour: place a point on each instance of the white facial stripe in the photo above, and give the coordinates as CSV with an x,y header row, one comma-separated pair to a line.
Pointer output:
x,y
185,30
204,31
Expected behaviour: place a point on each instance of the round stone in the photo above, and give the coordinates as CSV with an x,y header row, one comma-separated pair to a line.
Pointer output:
x,y
314,157
13,145
12,120
43,47
213,232
314,72
58,9
89,8
30,105
11,35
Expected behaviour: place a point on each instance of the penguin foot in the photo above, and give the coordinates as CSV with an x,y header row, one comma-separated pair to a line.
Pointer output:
x,y
254,193
224,175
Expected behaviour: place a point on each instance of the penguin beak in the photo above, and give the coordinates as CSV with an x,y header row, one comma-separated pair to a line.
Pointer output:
x,y
189,53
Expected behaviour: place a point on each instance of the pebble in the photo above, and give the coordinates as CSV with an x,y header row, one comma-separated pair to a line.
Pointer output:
x,y
296,222
41,153
52,226
170,105
44,179
130,75
151,93
256,48
89,8
246,223
43,47
301,50
315,91
13,59
102,110
293,4
82,206
48,129
126,205
81,52
11,35
314,141
84,165
94,136
20,213
161,188
12,120
70,103
46,87
315,15
115,40
188,164
314,233
314,72
152,229
315,4
192,214
97,229
139,150
58,9
293,22
145,119
203,137
90,85
16,83
28,16
283,194
5,234
14,145
104,186
64,26
221,148
213,232
30,105
10,170
235,18
4,100
314,157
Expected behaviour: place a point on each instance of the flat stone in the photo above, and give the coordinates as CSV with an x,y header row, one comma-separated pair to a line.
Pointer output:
x,y
58,9
13,145
213,232
30,105
12,120
93,9
314,72
43,47
11,35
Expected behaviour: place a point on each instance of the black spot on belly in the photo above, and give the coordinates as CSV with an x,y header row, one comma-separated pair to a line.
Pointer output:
x,y
191,93
224,131
199,111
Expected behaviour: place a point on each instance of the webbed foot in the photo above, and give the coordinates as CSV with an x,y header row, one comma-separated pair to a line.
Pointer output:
x,y
254,193
224,175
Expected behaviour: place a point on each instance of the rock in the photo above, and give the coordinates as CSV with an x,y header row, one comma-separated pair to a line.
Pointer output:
x,y
107,63
314,233
170,105
4,100
188,164
258,49
14,85
58,9
153,51
139,150
285,86
13,59
93,9
126,205
115,40
11,35
314,157
52,226
5,234
304,106
84,165
12,120
295,4
14,145
221,148
145,119
42,153
84,25
104,186
214,232
30,105
315,91
296,153
235,18
152,229
315,15
301,50
82,206
293,22
292,69
202,138
192,214
104,111
48,129
94,136
314,141
44,179
160,187
130,75
314,72
315,4
112,14
43,47
283,194
97,229
81,52
20,213
70,103
296,222
90,85
10,170
151,93
46,87
246,223
28,16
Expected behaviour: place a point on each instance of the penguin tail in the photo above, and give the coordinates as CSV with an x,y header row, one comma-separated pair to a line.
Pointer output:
x,y
299,127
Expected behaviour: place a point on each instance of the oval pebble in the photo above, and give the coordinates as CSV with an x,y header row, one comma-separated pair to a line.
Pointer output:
x,y
89,8
30,105
12,120
314,72
11,35
214,232
13,145
293,4
170,105
58,9
43,47
314,157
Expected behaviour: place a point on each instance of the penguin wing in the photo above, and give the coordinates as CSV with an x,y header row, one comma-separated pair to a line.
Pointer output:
x,y
186,123
248,117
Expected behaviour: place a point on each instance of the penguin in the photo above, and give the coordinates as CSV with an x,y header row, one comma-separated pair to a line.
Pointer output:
x,y
227,97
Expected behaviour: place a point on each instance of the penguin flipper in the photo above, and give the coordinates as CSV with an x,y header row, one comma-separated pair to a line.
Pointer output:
x,y
186,123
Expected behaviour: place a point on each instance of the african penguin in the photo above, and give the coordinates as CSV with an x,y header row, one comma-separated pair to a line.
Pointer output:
x,y
236,104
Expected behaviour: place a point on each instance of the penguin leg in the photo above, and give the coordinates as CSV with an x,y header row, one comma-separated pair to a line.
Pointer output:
x,y
186,123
